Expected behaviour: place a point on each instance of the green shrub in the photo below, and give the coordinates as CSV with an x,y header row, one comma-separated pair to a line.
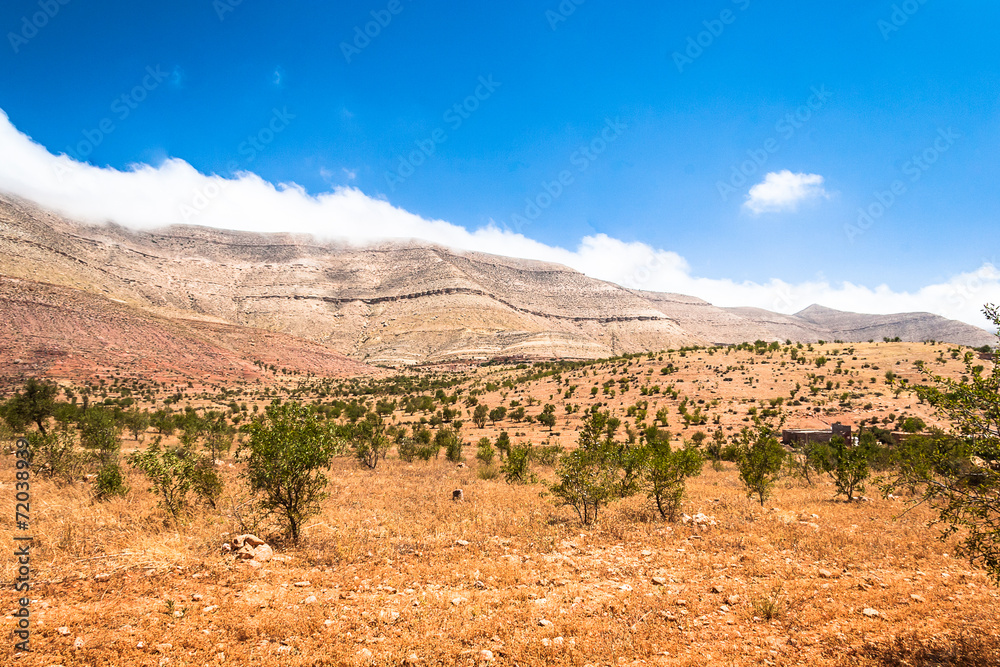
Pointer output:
x,y
287,451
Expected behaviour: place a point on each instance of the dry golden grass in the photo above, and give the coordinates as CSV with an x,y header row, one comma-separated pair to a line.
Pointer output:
x,y
396,569
390,577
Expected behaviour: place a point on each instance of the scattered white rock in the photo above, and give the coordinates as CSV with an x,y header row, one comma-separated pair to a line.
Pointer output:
x,y
366,655
462,543
63,630
459,601
310,600
302,584
486,655
917,598
660,581
545,623
871,613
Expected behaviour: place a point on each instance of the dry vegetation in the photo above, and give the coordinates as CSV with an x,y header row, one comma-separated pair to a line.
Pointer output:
x,y
393,571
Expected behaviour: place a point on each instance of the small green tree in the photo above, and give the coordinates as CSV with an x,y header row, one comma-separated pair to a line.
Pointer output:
x,y
589,477
480,414
847,465
958,473
485,451
759,458
285,455
516,468
33,404
666,476
503,444
369,440
101,433
497,414
449,440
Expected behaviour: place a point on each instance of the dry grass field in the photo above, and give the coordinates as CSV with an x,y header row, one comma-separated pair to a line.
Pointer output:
x,y
392,571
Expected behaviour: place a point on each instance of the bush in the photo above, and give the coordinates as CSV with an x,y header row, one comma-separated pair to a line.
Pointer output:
x,y
287,450
760,458
589,476
485,451
173,473
54,455
110,481
666,475
959,476
517,468
370,442
848,466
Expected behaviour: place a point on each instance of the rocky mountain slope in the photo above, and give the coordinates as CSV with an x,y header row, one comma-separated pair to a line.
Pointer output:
x,y
399,303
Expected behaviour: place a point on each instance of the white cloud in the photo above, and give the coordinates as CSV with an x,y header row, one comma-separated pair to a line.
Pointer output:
x,y
175,193
784,191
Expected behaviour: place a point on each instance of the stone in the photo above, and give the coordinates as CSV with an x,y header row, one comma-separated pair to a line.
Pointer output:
x,y
197,597
459,601
457,495
682,603
462,543
825,574
733,600
486,655
717,588
302,584
249,540
263,553
210,608
366,655
310,600
245,552
545,623
104,576
660,581
917,598
63,630
78,643
871,613
460,465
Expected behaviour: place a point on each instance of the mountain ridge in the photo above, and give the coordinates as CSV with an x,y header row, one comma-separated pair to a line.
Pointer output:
x,y
403,302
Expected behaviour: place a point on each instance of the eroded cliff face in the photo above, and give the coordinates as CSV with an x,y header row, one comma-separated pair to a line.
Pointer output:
x,y
399,303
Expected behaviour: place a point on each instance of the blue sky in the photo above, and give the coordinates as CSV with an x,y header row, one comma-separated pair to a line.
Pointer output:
x,y
737,141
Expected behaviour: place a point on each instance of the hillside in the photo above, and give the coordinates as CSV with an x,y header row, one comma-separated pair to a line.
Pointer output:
x,y
403,302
